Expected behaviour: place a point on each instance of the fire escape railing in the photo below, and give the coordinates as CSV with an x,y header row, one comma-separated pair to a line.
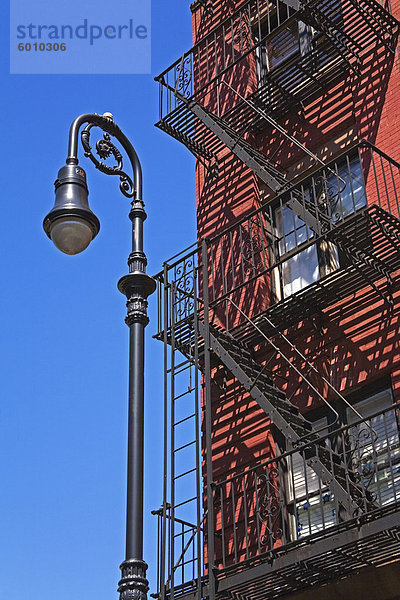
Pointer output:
x,y
240,44
253,252
275,506
281,501
219,50
204,284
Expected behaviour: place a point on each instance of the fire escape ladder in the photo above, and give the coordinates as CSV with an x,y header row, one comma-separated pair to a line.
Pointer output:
x,y
326,463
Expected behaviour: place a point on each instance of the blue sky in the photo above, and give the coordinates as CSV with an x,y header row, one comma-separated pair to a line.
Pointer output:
x,y
64,344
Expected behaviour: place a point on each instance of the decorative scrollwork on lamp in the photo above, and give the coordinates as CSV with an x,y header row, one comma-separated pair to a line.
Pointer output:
x,y
105,148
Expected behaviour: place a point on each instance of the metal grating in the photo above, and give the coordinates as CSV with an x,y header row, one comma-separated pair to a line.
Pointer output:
x,y
202,74
344,552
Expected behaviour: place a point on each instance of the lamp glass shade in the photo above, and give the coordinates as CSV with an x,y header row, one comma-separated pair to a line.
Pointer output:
x,y
71,235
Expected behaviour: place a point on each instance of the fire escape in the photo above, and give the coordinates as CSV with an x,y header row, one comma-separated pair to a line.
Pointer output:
x,y
226,312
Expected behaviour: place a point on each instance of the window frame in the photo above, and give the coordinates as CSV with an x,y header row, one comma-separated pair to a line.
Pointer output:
x,y
364,396
328,258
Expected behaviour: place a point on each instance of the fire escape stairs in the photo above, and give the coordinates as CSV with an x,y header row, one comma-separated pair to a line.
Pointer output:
x,y
262,167
233,140
326,463
316,217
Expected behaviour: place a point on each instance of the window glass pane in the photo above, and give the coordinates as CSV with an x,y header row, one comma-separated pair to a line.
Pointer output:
x,y
346,199
304,480
314,502
300,270
375,450
283,44
291,230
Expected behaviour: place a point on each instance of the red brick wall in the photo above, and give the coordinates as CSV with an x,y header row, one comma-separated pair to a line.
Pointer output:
x,y
357,340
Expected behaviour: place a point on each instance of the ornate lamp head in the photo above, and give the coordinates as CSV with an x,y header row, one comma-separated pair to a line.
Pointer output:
x,y
70,224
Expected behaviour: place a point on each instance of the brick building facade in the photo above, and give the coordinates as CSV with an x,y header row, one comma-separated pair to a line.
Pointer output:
x,y
281,324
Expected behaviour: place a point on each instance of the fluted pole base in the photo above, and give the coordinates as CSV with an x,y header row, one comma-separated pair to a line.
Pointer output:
x,y
133,584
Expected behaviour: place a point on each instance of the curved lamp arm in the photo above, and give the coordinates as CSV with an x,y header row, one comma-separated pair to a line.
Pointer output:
x,y
106,123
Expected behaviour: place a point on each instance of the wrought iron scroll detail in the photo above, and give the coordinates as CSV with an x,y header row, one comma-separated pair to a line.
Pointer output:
x,y
184,289
326,191
183,77
251,252
269,509
359,445
105,149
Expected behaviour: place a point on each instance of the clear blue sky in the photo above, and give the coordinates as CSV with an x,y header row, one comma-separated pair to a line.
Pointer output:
x,y
64,344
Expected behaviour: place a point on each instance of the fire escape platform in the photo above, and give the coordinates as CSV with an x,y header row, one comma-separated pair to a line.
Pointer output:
x,y
369,542
365,228
280,90
373,543
342,283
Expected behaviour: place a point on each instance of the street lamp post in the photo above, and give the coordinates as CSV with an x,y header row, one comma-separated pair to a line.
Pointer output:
x,y
72,225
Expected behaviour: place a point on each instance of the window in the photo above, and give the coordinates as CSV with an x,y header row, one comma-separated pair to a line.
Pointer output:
x,y
375,452
302,268
337,193
281,38
370,448
279,45
344,189
311,504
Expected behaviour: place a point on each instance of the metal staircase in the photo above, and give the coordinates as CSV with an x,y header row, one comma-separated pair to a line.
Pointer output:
x,y
209,505
264,169
336,36
327,464
318,217
233,140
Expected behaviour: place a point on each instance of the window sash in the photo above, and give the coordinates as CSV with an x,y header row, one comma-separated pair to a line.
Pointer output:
x,y
329,193
375,456
376,453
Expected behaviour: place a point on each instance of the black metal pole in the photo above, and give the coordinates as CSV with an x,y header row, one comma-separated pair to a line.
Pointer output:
x,y
136,286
